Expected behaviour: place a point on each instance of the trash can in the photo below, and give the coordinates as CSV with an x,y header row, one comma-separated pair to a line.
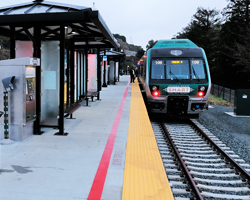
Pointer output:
x,y
242,102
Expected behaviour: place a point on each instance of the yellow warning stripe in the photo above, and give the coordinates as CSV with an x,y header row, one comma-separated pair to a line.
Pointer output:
x,y
144,175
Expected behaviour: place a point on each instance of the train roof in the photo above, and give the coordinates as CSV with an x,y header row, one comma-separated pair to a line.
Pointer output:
x,y
174,43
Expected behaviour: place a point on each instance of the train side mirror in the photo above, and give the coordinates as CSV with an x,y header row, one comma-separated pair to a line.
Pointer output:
x,y
8,83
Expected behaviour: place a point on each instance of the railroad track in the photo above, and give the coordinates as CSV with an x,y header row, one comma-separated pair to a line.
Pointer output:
x,y
199,165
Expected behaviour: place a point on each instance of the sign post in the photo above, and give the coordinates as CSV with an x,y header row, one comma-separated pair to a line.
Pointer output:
x,y
104,59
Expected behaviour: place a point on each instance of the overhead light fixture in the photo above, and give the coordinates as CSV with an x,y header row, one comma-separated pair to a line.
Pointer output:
x,y
98,39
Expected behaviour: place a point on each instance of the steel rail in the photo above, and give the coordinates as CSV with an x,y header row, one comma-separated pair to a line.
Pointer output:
x,y
193,186
239,170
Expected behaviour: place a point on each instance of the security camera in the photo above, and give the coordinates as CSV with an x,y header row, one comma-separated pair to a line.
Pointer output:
x,y
8,83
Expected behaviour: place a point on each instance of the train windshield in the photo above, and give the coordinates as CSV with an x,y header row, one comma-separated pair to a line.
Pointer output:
x,y
177,69
184,70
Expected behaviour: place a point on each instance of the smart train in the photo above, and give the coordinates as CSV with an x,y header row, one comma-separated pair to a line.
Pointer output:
x,y
175,77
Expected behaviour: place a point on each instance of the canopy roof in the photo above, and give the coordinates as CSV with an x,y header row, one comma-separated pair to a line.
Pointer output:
x,y
84,26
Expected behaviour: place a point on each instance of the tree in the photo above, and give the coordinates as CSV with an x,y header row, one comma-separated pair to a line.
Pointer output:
x,y
203,30
4,42
123,38
140,53
150,44
233,57
4,48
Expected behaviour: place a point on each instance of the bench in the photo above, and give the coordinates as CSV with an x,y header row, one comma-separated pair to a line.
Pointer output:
x,y
91,94
69,109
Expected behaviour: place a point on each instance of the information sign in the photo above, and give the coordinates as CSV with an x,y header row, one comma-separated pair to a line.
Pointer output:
x,y
104,58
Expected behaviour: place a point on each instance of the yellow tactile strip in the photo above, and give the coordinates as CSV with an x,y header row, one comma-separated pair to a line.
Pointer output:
x,y
144,176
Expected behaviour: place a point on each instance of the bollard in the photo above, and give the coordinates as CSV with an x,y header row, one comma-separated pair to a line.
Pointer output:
x,y
6,139
8,86
6,116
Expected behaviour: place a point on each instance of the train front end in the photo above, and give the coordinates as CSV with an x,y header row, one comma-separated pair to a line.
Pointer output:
x,y
178,79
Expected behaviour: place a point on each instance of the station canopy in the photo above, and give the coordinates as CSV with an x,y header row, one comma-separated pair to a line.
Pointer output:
x,y
84,26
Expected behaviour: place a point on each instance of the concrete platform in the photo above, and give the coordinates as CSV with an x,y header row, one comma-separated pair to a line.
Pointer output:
x,y
64,167
234,115
110,153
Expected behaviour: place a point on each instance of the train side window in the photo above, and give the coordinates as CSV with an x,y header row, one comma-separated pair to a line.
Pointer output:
x,y
197,68
157,69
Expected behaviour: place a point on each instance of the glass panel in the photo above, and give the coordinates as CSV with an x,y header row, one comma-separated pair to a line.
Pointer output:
x,y
85,74
65,76
158,69
24,49
18,11
56,10
50,82
75,74
92,77
79,75
39,9
177,69
197,68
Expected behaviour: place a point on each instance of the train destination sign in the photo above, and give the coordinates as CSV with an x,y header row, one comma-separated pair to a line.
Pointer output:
x,y
178,89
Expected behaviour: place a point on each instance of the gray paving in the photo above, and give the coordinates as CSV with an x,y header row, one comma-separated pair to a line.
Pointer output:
x,y
63,167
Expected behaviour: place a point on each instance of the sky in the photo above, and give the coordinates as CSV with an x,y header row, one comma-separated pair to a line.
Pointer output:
x,y
142,20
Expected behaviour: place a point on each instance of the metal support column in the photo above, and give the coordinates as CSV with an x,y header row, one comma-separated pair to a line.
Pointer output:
x,y
12,43
119,69
61,84
37,54
114,72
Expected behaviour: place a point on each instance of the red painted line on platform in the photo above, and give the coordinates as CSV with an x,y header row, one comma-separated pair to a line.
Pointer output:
x,y
100,177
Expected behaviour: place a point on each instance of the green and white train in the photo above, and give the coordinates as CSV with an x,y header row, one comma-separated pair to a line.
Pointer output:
x,y
175,77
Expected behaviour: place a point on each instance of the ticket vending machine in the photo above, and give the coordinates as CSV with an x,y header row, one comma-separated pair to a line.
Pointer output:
x,y
22,100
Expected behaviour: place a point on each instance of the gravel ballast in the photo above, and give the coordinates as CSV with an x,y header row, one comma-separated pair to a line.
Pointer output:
x,y
232,131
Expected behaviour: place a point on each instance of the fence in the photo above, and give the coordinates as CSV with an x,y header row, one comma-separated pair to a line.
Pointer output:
x,y
223,92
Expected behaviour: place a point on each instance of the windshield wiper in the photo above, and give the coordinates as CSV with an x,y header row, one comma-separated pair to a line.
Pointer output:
x,y
171,73
197,77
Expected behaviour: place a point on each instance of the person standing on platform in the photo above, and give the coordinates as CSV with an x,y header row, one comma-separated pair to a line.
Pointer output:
x,y
136,73
132,75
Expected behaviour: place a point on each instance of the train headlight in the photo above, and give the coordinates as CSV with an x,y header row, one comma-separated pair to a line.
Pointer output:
x,y
202,88
154,88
